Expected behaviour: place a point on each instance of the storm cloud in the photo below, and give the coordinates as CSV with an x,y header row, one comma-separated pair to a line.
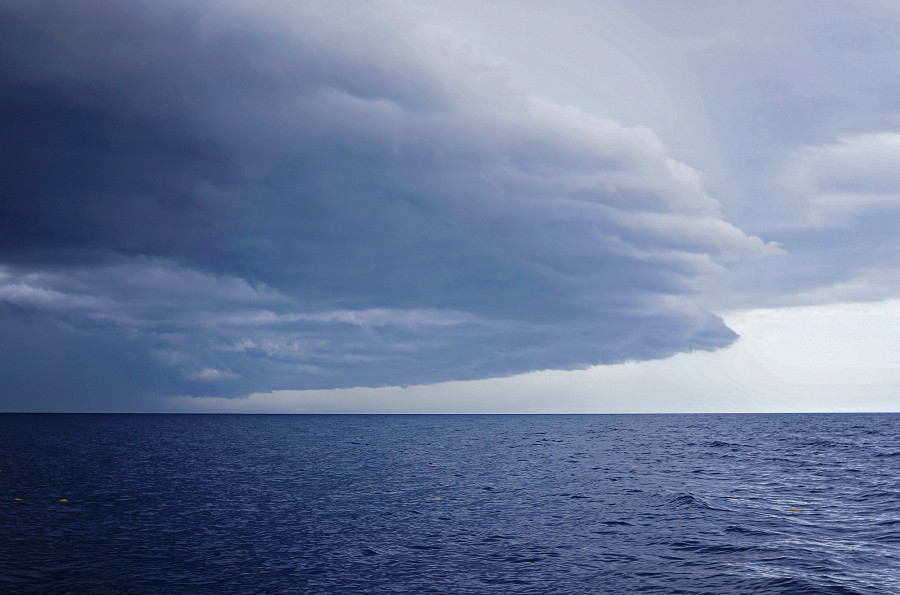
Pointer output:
x,y
220,198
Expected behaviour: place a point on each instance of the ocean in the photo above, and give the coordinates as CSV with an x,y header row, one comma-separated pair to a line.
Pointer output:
x,y
450,504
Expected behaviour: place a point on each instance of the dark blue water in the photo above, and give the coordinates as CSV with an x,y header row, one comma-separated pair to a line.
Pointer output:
x,y
450,504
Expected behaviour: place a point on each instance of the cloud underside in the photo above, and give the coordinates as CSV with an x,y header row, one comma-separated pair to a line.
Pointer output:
x,y
206,199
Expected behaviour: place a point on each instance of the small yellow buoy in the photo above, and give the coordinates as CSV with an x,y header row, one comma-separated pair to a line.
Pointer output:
x,y
17,499
63,500
437,498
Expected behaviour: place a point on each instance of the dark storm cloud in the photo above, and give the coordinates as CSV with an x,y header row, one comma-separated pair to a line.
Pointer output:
x,y
216,198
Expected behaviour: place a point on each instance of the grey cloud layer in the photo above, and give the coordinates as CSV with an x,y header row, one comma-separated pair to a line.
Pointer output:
x,y
219,198
803,101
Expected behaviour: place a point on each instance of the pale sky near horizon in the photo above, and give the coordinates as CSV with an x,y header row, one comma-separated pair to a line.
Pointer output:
x,y
831,358
506,206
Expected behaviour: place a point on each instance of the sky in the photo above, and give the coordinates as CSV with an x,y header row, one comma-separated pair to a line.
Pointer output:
x,y
447,206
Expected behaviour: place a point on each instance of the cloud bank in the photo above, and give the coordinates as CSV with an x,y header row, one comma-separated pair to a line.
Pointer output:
x,y
836,357
220,198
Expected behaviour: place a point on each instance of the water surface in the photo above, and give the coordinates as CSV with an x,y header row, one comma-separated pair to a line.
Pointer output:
x,y
450,504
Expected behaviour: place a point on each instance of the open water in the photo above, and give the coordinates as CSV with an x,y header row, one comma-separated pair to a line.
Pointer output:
x,y
450,504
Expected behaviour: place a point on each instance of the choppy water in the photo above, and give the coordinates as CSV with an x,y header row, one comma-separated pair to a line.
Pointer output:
x,y
450,504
